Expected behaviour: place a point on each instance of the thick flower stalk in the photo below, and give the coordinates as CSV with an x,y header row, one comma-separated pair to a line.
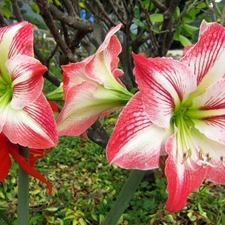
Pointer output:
x,y
25,115
180,112
8,149
92,88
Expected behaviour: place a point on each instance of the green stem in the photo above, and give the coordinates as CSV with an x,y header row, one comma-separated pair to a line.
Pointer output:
x,y
124,197
23,192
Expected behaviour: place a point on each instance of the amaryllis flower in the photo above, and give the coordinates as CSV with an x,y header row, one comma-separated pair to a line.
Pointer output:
x,y
25,115
8,149
92,88
180,112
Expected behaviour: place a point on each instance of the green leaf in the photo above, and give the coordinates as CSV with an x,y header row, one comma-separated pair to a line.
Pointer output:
x,y
81,4
187,30
156,17
155,29
177,12
82,222
35,7
5,12
223,220
187,18
35,219
51,209
137,12
190,28
202,5
177,34
184,41
140,24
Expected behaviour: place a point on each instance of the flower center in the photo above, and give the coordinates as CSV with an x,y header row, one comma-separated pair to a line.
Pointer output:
x,y
188,148
186,143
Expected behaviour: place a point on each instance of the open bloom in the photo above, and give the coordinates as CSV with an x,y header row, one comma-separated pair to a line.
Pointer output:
x,y
179,111
92,88
25,115
7,148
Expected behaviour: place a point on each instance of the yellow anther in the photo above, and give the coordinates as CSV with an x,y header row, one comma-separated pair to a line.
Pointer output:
x,y
189,153
200,154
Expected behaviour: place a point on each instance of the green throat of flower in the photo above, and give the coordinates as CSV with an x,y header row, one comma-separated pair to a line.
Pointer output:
x,y
185,141
6,92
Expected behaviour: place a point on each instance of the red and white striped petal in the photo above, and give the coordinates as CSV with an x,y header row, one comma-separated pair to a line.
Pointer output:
x,y
135,143
209,109
212,155
110,49
216,174
74,74
206,57
107,40
203,27
183,176
15,39
34,126
164,84
5,161
27,81
84,103
102,66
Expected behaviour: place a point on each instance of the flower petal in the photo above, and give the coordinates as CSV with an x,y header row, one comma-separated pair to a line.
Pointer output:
x,y
29,169
206,57
216,174
15,39
34,126
213,156
36,154
209,108
5,162
27,81
102,66
74,74
183,177
83,105
164,84
135,142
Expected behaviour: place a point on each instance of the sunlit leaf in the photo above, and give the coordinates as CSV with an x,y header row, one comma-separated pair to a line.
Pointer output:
x,y
202,5
156,17
190,28
51,209
184,41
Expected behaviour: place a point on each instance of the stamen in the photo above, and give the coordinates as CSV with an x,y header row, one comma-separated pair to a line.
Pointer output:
x,y
208,157
200,154
189,153
184,157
